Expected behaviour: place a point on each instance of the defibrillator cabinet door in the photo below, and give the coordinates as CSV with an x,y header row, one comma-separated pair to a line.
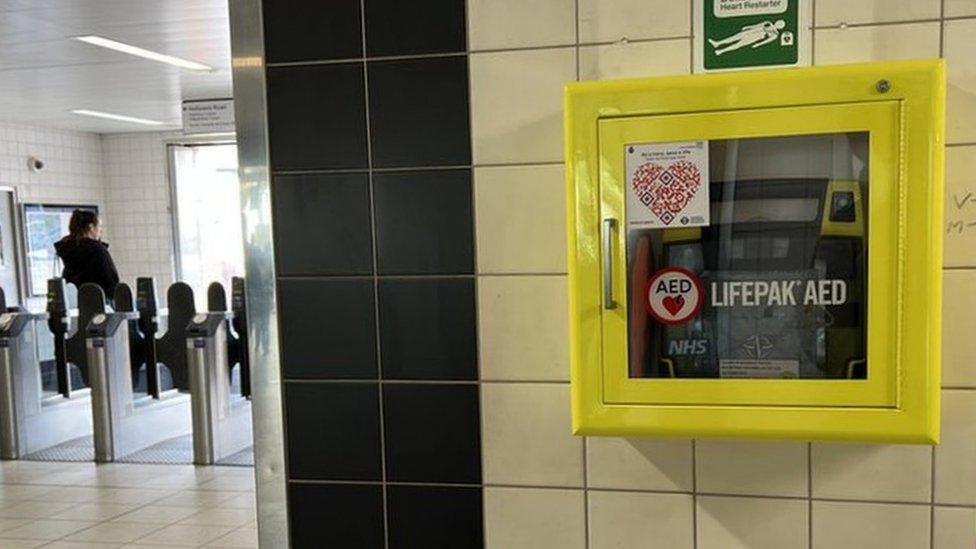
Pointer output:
x,y
736,256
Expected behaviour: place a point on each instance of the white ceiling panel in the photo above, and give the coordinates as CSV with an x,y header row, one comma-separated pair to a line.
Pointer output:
x,y
44,72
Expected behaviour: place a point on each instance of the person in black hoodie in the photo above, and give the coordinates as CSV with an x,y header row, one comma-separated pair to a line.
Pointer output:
x,y
84,255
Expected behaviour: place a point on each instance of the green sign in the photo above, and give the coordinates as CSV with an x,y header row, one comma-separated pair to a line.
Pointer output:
x,y
750,33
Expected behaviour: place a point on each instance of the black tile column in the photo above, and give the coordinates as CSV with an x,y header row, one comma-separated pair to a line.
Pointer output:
x,y
370,144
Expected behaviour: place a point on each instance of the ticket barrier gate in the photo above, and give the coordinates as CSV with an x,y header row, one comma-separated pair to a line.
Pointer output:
x,y
31,421
221,416
123,422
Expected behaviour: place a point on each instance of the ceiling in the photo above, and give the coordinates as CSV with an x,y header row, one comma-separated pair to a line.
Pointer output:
x,y
44,73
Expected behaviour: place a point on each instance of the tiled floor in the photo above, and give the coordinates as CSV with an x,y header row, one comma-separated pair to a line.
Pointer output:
x,y
84,506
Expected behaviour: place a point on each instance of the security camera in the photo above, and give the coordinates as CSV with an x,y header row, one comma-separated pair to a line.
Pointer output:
x,y
35,164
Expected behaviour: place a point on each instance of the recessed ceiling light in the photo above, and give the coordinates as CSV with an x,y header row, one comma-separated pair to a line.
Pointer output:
x,y
140,52
117,117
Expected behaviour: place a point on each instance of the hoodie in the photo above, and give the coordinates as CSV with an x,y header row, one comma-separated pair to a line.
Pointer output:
x,y
86,260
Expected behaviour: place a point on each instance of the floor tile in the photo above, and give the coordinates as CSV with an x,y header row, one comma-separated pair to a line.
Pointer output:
x,y
187,535
114,532
221,517
47,529
158,514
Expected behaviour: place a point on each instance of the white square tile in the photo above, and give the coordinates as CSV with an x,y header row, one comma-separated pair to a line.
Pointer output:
x,y
639,463
517,105
954,528
955,456
517,346
869,525
959,8
521,219
635,59
958,324
526,435
523,518
960,208
504,24
630,519
836,12
872,472
613,20
752,523
751,467
959,43
876,43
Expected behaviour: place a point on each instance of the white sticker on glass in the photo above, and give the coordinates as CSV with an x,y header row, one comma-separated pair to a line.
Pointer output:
x,y
667,185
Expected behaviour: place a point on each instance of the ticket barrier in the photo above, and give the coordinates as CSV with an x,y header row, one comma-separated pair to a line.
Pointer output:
x,y
221,416
30,420
124,422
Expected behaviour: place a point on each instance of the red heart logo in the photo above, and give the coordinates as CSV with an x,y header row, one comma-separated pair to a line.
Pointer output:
x,y
666,190
674,304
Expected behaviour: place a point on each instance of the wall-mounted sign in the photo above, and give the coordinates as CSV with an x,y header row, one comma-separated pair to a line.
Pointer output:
x,y
738,34
208,116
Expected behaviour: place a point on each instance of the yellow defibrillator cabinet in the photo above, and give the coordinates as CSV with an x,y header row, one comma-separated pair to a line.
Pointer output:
x,y
758,254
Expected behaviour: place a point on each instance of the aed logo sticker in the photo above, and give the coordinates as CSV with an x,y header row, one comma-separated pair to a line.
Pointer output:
x,y
674,295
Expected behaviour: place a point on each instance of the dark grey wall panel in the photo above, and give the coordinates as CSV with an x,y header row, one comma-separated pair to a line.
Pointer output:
x,y
317,117
418,112
395,27
333,431
428,329
309,30
322,224
424,222
328,328
426,517
432,433
346,515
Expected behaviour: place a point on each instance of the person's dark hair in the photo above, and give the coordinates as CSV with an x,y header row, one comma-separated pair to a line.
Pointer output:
x,y
81,222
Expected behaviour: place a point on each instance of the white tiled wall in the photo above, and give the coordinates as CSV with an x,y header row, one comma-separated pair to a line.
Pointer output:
x,y
547,488
137,197
123,174
73,171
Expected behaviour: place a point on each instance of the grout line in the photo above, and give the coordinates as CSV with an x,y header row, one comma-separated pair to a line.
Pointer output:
x,y
932,496
477,307
813,42
314,277
472,166
842,26
691,66
376,295
583,446
942,28
694,492
367,59
362,381
810,491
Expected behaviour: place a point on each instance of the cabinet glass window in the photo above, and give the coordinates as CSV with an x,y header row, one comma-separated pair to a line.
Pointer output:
x,y
747,258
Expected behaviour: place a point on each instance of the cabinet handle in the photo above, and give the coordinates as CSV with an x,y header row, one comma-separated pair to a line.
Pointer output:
x,y
609,225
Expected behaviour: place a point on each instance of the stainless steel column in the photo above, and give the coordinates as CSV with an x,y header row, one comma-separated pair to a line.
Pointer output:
x,y
98,376
250,112
8,408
